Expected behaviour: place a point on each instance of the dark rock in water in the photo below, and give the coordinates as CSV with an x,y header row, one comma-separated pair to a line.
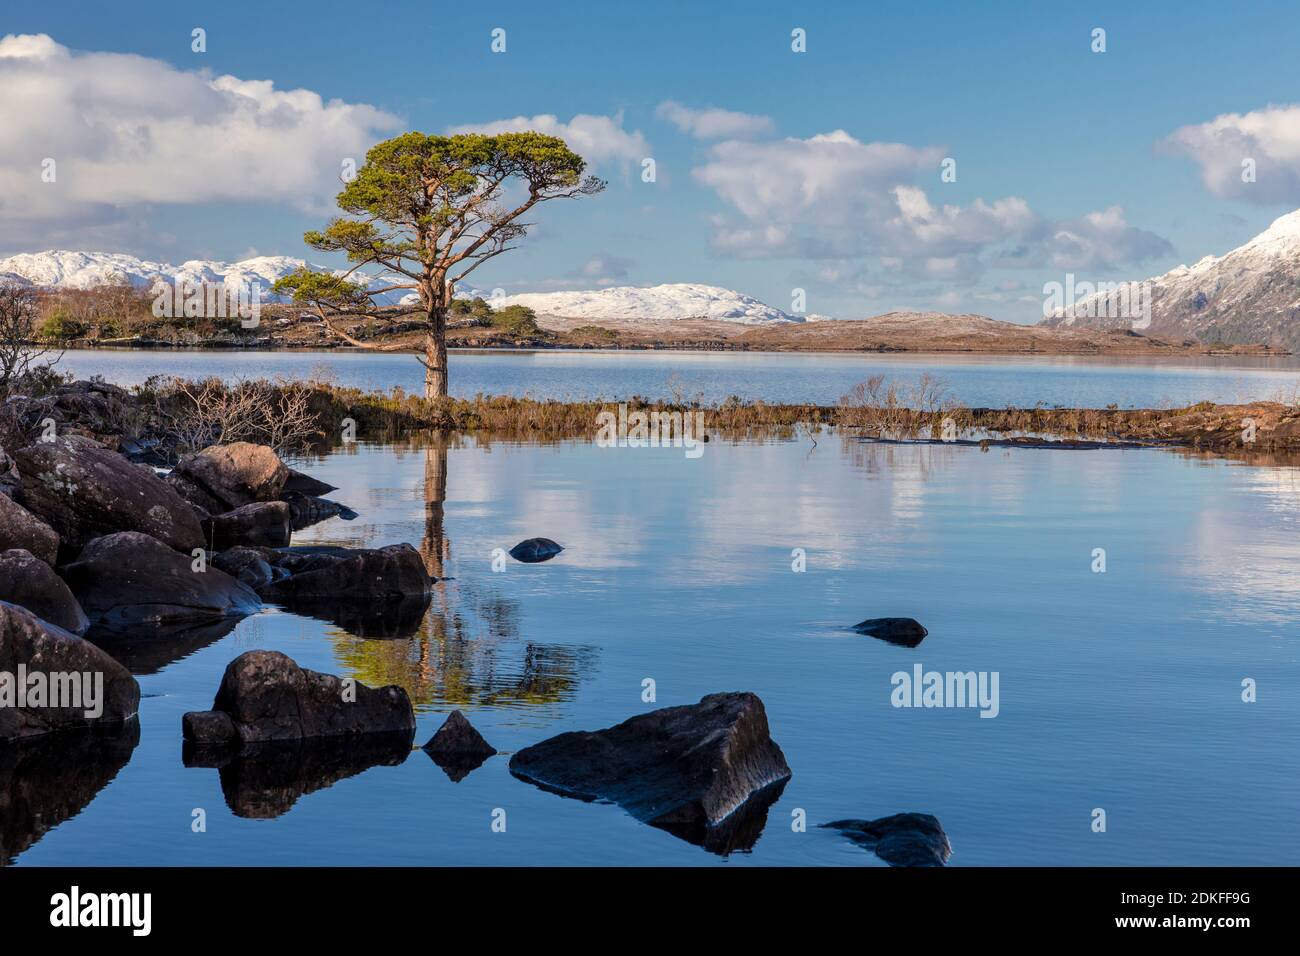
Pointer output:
x,y
248,565
84,491
234,475
261,523
264,780
896,630
905,839
47,780
535,550
39,647
19,528
305,510
29,582
686,769
458,747
209,726
269,697
128,579
301,484
370,574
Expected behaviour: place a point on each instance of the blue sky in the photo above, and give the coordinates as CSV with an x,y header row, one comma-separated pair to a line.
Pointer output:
x,y
1044,132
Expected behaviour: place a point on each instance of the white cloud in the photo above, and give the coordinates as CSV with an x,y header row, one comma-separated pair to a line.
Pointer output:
x,y
714,123
1270,136
126,130
596,139
833,197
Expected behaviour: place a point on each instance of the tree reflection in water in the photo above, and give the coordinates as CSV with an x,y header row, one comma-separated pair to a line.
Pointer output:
x,y
467,651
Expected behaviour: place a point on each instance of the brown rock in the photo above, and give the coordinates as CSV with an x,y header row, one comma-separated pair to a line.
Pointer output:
x,y
235,474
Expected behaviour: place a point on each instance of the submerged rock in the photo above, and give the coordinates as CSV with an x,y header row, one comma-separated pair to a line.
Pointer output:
x,y
267,696
41,648
29,582
896,630
233,475
905,839
147,650
260,523
19,528
458,747
84,491
128,579
686,769
535,550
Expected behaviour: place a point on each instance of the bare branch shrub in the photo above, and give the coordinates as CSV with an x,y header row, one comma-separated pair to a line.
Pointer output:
x,y
193,415
18,347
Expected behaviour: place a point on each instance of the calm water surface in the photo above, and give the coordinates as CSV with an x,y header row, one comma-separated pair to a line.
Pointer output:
x,y
1118,690
989,381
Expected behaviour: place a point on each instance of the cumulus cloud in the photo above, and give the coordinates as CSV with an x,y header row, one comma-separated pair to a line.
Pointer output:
x,y
125,130
1270,137
834,197
604,270
714,123
596,139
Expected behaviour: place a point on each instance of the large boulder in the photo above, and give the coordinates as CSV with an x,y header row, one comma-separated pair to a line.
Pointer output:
x,y
95,407
687,766
19,528
260,523
905,839
83,491
128,579
373,575
233,475
94,688
29,582
266,696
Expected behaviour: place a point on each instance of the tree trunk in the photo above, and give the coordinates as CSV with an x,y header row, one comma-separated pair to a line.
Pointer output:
x,y
435,355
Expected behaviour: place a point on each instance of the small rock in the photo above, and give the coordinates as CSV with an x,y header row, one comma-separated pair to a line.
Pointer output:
x,y
535,550
247,565
458,747
905,839
896,630
29,582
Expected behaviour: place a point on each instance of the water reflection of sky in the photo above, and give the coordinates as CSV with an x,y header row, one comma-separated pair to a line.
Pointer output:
x,y
1119,690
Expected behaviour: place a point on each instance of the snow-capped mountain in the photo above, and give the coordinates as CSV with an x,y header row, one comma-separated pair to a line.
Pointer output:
x,y
59,269
1250,295
86,270
682,300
